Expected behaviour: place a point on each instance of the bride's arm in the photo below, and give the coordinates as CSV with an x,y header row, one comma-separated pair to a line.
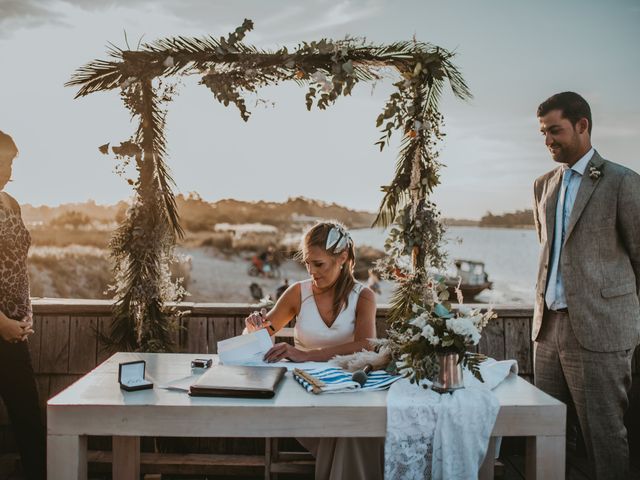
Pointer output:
x,y
287,307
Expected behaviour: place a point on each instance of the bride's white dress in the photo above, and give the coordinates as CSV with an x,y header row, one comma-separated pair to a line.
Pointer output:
x,y
336,458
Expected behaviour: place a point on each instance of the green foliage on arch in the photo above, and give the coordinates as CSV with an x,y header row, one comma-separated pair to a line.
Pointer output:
x,y
143,244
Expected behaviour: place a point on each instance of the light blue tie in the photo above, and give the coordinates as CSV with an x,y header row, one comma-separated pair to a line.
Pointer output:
x,y
555,288
566,180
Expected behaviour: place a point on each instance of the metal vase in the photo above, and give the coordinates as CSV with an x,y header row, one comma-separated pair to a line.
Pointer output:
x,y
449,377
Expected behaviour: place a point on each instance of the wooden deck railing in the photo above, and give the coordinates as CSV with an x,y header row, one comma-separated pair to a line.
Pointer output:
x,y
65,346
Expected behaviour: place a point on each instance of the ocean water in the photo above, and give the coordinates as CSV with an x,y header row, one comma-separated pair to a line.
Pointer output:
x,y
510,257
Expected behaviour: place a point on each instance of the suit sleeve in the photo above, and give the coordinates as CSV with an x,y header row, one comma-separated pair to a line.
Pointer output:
x,y
536,219
628,219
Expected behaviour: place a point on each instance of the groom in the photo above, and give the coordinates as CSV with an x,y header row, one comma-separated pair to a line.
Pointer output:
x,y
586,321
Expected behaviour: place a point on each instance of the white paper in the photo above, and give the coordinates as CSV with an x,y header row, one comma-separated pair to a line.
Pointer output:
x,y
245,349
181,384
291,365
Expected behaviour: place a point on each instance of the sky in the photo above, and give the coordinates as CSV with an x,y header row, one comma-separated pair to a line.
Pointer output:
x,y
512,53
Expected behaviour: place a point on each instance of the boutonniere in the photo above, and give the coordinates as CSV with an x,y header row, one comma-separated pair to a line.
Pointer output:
x,y
595,172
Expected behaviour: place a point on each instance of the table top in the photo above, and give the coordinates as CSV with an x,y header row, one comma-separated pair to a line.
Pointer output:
x,y
95,405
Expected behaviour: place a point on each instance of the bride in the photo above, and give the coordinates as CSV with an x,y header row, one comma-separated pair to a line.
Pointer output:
x,y
335,315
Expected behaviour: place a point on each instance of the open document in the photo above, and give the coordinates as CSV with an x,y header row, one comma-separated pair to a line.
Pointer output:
x,y
245,349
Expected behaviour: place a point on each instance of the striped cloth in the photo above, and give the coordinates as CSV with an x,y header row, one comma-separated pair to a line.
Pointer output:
x,y
336,380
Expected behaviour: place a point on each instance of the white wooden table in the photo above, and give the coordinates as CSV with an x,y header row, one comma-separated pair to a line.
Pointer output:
x,y
95,405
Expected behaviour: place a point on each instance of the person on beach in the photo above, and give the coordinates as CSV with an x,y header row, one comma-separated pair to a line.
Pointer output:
x,y
586,321
17,382
373,282
282,288
335,315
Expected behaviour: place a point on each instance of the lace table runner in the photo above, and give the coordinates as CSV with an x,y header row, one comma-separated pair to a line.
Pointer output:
x,y
434,436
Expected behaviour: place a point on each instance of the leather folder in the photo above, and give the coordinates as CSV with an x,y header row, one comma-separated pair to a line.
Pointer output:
x,y
238,381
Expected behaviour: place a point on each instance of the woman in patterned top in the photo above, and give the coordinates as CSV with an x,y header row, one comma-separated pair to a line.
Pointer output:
x,y
17,383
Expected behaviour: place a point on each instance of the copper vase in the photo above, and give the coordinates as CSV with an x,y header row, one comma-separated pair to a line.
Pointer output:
x,y
449,377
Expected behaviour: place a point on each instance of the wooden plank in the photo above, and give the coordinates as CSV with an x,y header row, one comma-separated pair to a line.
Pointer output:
x,y
219,329
54,349
35,341
188,463
239,325
517,343
196,335
60,306
57,383
104,328
126,458
175,332
83,344
381,327
492,341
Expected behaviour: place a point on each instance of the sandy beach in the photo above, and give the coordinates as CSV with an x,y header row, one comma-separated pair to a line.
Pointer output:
x,y
216,277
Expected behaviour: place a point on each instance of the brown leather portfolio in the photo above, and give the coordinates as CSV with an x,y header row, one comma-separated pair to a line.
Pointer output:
x,y
238,381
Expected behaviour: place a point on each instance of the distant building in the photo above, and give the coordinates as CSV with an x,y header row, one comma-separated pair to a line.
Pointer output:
x,y
241,229
300,218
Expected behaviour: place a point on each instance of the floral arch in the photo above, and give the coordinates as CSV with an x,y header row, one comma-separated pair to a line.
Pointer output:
x,y
143,244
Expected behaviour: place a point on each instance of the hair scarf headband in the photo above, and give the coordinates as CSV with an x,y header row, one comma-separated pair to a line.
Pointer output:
x,y
337,239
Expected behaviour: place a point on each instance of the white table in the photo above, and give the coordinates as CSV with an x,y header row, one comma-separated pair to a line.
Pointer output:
x,y
95,405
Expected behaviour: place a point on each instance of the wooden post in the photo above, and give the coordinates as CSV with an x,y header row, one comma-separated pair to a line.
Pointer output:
x,y
126,458
67,457
545,459
486,469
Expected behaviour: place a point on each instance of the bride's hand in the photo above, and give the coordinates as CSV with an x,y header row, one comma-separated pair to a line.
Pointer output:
x,y
284,350
256,321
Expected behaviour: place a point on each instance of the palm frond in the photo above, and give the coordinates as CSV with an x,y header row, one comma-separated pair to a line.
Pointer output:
x,y
96,76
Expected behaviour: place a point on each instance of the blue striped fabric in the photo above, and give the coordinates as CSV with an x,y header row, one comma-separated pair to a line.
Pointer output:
x,y
336,380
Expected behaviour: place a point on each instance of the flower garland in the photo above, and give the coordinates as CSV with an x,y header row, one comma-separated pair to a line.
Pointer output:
x,y
230,69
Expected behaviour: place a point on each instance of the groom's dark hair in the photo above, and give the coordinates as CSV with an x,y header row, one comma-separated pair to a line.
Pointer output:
x,y
572,106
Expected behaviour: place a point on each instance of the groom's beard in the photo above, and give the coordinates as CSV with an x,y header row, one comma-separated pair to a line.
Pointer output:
x,y
567,153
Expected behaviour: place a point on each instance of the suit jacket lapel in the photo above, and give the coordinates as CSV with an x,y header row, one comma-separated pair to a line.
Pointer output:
x,y
553,187
587,186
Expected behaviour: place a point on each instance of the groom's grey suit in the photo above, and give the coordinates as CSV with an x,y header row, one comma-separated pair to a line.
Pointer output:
x,y
583,355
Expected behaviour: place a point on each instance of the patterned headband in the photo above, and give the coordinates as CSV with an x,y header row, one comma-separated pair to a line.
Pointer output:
x,y
338,239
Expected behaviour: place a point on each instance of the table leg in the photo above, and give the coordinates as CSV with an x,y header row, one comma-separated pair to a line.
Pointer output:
x,y
126,458
486,469
545,458
67,457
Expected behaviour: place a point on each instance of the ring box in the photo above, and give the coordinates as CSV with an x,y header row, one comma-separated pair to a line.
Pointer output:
x,y
201,363
131,376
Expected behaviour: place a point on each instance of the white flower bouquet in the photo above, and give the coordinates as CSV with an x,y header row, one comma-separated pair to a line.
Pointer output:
x,y
435,330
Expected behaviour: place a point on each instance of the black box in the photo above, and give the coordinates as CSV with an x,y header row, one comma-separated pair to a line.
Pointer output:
x,y
131,376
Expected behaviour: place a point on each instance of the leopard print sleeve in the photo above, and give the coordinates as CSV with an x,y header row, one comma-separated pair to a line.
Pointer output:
x,y
15,241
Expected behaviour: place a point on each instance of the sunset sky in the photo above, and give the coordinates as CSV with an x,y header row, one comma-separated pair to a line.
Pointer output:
x,y
513,54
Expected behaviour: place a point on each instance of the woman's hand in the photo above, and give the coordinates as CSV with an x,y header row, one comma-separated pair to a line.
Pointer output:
x,y
28,319
256,321
285,350
13,331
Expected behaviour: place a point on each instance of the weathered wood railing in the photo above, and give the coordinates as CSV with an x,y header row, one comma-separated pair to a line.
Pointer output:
x,y
65,346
